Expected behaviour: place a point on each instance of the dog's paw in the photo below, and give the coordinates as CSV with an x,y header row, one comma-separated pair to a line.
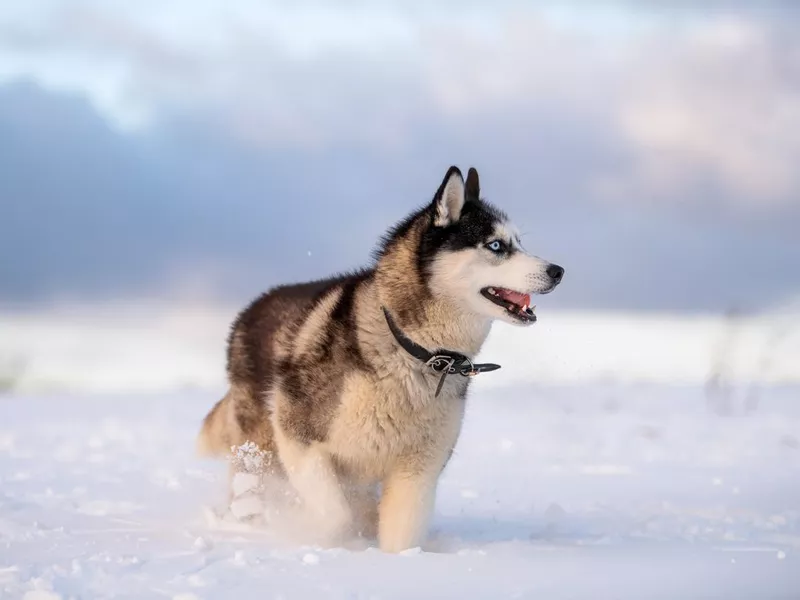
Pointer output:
x,y
247,504
245,483
247,508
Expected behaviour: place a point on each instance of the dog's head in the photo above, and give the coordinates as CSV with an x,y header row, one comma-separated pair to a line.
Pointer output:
x,y
474,257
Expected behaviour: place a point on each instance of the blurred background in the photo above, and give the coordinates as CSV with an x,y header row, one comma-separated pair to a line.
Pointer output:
x,y
163,163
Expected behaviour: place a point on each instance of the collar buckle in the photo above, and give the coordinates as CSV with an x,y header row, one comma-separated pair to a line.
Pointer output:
x,y
468,369
446,364
441,364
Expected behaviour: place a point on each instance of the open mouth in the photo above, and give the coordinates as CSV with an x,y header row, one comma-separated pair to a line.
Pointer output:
x,y
517,304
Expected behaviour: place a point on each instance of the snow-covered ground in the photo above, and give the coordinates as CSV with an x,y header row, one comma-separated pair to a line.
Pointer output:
x,y
595,464
156,347
587,491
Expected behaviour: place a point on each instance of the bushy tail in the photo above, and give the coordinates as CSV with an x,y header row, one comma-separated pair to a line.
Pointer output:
x,y
215,437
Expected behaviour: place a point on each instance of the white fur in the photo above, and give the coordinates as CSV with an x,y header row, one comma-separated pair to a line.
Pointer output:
x,y
311,472
463,274
508,232
448,208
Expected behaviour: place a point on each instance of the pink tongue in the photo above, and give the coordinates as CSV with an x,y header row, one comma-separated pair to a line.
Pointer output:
x,y
516,297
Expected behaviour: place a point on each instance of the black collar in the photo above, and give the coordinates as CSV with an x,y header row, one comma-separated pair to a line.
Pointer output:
x,y
445,362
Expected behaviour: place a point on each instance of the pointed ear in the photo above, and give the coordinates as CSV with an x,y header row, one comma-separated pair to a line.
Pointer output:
x,y
449,199
473,185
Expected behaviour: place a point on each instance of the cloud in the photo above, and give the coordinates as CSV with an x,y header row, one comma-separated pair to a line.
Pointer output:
x,y
92,213
648,148
692,102
721,104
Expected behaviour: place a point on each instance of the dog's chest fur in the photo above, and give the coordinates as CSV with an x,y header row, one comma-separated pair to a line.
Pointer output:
x,y
364,398
395,420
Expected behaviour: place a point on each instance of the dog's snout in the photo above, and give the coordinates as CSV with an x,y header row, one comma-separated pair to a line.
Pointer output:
x,y
556,273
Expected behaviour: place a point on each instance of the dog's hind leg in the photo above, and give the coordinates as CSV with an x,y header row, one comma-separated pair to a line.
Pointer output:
x,y
218,432
238,418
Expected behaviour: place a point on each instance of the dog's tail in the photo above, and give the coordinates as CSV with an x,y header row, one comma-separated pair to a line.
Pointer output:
x,y
214,438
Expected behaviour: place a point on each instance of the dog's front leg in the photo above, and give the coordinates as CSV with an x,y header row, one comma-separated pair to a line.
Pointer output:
x,y
312,474
363,499
405,508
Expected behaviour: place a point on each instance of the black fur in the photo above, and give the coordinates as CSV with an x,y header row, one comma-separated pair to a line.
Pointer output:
x,y
474,228
252,364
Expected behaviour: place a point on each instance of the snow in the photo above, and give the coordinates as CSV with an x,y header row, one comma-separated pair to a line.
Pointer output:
x,y
555,491
613,456
177,347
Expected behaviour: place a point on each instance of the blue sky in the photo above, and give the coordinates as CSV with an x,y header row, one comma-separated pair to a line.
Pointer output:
x,y
148,148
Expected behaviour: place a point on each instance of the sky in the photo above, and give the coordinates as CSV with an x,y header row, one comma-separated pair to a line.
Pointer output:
x,y
214,149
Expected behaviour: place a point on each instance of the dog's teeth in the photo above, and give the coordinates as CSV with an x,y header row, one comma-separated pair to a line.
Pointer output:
x,y
491,291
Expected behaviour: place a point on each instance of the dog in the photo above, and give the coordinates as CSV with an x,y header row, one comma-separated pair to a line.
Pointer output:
x,y
359,382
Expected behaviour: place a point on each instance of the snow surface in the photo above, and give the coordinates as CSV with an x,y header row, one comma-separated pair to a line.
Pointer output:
x,y
158,347
597,463
558,491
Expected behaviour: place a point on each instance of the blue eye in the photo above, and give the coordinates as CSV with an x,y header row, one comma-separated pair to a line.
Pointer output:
x,y
495,246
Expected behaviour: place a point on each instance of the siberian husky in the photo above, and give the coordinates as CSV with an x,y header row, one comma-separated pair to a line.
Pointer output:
x,y
358,383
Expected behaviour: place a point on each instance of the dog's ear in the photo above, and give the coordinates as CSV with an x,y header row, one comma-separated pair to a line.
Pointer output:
x,y
473,185
449,199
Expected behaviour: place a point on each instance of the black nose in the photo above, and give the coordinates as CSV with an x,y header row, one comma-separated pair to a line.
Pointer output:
x,y
555,272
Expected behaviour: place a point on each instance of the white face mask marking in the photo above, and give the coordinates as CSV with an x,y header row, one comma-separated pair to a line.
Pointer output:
x,y
464,276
